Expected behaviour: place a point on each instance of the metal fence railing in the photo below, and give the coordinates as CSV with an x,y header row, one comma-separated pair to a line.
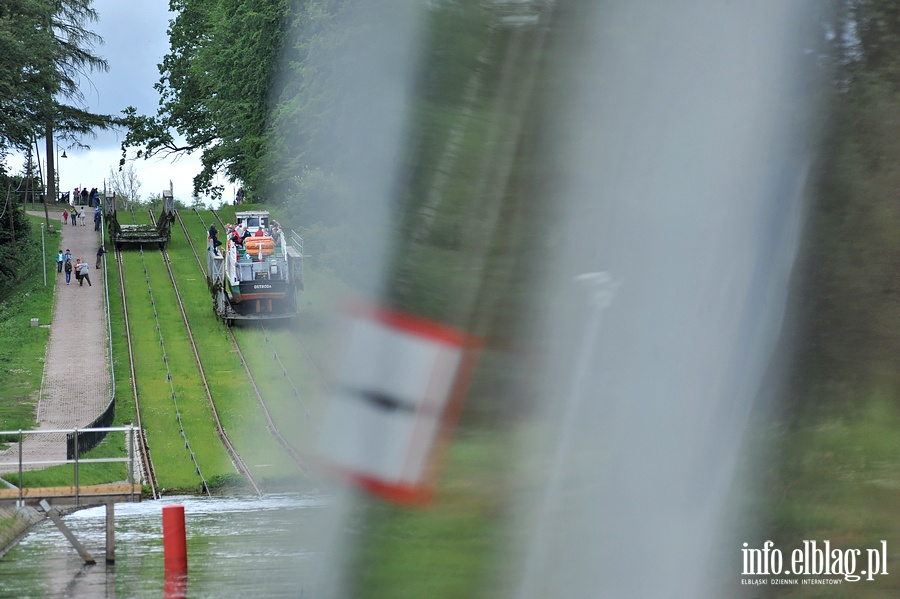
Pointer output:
x,y
49,442
85,439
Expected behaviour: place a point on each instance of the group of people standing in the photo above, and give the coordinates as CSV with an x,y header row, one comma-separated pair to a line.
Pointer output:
x,y
78,214
91,198
75,214
64,263
237,234
81,269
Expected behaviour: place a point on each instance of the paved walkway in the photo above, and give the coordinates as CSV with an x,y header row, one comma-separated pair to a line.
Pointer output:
x,y
76,383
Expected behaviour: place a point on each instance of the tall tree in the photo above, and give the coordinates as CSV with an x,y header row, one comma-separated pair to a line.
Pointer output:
x,y
73,58
26,59
45,50
876,26
214,88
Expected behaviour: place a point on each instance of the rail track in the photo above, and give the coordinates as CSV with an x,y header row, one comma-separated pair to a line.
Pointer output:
x,y
292,330
270,422
143,447
149,474
235,456
147,470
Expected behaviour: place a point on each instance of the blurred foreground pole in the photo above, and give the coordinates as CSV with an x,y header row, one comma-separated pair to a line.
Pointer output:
x,y
678,152
370,71
669,148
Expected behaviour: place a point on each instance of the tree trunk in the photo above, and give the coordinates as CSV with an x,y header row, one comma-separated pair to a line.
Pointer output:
x,y
12,217
51,170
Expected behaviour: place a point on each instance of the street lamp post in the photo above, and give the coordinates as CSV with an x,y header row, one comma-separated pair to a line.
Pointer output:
x,y
109,203
58,178
44,254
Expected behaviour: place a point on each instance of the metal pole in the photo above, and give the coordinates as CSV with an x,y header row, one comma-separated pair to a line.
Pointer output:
x,y
44,254
110,532
20,466
76,467
54,515
131,458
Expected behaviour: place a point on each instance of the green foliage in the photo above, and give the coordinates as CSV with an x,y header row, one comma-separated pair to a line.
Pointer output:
x,y
174,468
214,87
15,237
318,197
853,246
44,49
836,479
22,362
307,107
876,26
26,53
443,551
231,390
836,474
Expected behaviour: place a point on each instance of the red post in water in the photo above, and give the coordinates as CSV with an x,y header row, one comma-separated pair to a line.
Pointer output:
x,y
175,586
174,540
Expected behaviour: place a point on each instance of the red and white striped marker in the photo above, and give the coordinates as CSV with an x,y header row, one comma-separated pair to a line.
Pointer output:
x,y
398,393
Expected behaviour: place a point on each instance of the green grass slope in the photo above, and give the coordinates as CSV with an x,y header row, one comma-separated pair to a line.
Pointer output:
x,y
22,361
232,392
153,363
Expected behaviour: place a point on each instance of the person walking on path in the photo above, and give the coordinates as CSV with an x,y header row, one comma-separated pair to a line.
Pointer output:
x,y
81,216
65,216
73,215
100,253
97,219
83,270
59,261
68,269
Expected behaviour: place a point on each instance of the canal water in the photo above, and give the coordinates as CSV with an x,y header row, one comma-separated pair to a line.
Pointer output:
x,y
237,547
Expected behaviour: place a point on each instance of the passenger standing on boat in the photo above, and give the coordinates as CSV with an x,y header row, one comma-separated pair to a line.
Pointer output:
x,y
214,235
